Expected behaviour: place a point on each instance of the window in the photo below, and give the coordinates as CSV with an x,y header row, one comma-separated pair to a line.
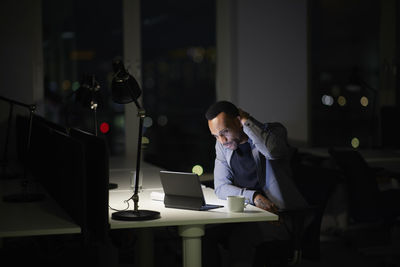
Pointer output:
x,y
178,60
79,38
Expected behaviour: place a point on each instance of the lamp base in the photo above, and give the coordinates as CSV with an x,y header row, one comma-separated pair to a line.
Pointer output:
x,y
27,197
139,215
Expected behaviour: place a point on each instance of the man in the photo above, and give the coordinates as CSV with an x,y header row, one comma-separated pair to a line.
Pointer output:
x,y
252,160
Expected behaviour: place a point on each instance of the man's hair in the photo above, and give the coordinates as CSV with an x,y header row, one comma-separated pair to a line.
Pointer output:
x,y
222,106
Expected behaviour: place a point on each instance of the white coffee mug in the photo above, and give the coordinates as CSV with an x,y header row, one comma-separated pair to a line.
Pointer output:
x,y
236,203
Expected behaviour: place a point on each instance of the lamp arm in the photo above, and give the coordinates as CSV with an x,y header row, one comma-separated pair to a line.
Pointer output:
x,y
141,114
135,197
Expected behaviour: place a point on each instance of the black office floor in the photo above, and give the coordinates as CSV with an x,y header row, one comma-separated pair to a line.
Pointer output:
x,y
367,250
339,252
342,251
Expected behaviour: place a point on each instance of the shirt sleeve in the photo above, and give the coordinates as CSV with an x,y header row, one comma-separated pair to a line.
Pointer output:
x,y
270,139
223,178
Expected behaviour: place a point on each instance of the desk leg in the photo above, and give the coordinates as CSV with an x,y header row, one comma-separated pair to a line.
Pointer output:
x,y
191,244
144,248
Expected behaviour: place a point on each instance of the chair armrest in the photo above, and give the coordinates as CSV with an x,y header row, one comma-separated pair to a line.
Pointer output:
x,y
297,216
377,169
303,210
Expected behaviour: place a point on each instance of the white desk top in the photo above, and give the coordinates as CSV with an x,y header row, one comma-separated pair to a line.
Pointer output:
x,y
175,217
170,216
46,217
36,218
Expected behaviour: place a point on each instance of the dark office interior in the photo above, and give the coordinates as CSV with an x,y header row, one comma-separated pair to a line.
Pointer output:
x,y
326,69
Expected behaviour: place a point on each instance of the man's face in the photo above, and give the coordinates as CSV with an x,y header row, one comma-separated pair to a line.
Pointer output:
x,y
227,130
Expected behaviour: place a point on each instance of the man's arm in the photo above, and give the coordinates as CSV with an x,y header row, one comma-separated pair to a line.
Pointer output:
x,y
264,203
270,140
223,178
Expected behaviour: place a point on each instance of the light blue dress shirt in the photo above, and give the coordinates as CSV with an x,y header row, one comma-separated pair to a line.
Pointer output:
x,y
273,169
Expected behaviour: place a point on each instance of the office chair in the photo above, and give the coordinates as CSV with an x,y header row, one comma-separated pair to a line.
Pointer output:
x,y
366,202
316,184
371,210
389,131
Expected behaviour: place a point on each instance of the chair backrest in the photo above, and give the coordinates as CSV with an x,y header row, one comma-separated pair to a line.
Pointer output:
x,y
390,133
316,184
363,191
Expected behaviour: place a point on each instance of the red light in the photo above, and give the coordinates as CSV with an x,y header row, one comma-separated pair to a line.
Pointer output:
x,y
104,127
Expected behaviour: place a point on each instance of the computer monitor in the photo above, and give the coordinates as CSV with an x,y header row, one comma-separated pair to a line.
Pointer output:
x,y
97,180
51,124
62,172
73,167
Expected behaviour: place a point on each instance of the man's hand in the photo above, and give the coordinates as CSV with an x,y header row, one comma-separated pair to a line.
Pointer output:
x,y
264,203
243,116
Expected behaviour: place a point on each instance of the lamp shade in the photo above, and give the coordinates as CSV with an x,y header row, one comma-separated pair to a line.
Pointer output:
x,y
125,88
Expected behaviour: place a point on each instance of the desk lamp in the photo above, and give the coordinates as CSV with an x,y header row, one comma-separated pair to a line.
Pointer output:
x,y
88,95
24,196
125,89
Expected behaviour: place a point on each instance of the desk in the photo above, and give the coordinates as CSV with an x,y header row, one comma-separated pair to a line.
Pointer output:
x,y
35,218
190,223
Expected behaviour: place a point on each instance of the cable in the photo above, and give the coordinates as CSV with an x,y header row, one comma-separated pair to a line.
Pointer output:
x,y
126,201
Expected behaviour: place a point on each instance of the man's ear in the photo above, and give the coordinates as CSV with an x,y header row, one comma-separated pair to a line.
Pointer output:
x,y
238,121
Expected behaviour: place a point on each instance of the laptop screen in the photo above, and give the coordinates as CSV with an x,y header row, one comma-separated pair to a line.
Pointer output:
x,y
184,191
181,184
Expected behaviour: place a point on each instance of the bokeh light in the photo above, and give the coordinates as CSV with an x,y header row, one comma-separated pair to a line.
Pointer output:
x,y
162,120
355,142
197,169
327,100
147,122
75,86
104,127
66,84
364,101
53,86
119,121
341,101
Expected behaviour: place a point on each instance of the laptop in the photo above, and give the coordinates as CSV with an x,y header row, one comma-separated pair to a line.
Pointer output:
x,y
183,191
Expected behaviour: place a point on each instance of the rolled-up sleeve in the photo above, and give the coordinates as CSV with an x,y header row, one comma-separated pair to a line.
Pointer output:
x,y
270,139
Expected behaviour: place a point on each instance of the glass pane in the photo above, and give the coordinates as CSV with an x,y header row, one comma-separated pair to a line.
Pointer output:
x,y
178,54
345,72
81,38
